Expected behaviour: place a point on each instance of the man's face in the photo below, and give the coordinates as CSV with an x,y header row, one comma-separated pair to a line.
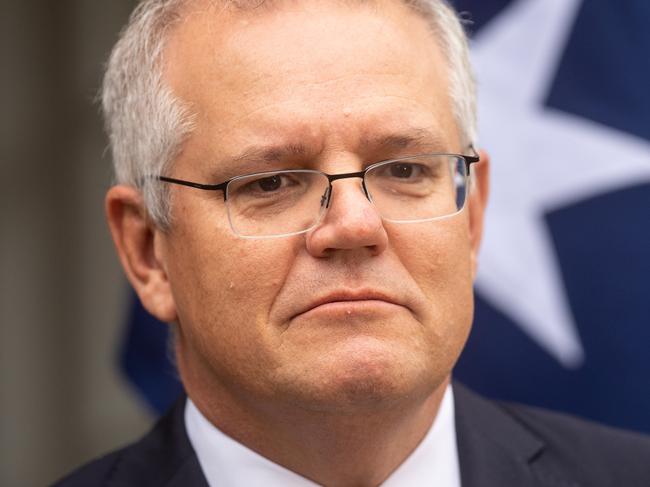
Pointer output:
x,y
357,311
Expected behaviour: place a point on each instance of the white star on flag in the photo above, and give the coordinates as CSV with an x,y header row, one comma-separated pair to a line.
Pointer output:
x,y
542,159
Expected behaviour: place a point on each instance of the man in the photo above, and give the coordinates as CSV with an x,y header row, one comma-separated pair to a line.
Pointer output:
x,y
299,194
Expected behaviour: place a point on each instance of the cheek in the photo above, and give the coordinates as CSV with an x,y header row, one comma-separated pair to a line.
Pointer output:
x,y
213,269
224,288
437,255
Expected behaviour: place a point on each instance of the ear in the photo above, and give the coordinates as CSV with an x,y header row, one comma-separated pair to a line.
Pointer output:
x,y
478,196
140,246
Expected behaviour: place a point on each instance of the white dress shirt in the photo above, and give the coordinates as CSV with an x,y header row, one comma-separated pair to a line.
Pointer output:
x,y
228,463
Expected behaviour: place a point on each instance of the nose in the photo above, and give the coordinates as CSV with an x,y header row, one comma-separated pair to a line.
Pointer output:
x,y
350,223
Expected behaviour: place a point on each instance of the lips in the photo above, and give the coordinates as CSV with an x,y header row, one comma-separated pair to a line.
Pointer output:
x,y
350,296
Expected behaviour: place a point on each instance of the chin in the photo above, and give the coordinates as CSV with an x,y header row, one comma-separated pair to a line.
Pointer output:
x,y
365,375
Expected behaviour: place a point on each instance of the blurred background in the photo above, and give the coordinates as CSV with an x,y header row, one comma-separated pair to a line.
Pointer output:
x,y
63,299
563,316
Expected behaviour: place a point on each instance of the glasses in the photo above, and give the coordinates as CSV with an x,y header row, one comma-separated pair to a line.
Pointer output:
x,y
289,202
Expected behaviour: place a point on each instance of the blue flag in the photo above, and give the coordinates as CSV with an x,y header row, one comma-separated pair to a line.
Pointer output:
x,y
563,292
563,308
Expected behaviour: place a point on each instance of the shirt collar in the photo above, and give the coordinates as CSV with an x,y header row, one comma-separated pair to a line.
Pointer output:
x,y
226,462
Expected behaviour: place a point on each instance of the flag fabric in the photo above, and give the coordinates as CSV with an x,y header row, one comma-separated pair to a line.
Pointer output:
x,y
563,308
563,291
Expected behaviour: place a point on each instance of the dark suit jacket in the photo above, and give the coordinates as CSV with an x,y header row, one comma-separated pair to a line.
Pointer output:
x,y
499,445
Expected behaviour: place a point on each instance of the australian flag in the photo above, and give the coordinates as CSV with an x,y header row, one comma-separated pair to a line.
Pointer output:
x,y
563,292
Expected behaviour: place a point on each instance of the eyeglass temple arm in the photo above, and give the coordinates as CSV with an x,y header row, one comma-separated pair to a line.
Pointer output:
x,y
210,187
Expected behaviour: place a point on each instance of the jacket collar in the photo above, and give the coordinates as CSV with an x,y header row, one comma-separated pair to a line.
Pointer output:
x,y
494,449
163,458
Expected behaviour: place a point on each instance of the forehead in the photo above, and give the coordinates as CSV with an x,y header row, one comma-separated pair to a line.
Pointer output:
x,y
325,73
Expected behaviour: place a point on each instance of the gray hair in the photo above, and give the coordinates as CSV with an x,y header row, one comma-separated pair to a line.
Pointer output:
x,y
147,123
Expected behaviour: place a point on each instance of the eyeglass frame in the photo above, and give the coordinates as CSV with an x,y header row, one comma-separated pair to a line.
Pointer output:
x,y
223,186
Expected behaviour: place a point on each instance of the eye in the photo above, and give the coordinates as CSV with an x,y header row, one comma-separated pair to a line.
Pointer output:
x,y
403,178
267,185
271,183
404,170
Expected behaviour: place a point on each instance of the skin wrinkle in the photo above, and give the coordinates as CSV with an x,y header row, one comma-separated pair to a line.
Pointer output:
x,y
298,155
395,73
429,142
263,108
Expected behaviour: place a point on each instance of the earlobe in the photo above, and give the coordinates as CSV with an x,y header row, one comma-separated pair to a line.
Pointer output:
x,y
135,236
477,205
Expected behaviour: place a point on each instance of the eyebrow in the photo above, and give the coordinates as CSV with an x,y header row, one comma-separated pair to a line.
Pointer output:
x,y
250,159
274,153
421,139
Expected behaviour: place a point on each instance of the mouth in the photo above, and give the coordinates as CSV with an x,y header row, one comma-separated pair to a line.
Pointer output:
x,y
350,301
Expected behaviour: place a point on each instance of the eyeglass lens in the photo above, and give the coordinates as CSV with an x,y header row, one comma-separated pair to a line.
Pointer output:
x,y
287,202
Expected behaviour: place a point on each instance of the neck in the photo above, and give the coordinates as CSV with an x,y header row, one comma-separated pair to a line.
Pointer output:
x,y
331,448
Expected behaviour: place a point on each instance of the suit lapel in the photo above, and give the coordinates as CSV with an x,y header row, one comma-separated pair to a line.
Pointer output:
x,y
163,458
494,450
189,475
